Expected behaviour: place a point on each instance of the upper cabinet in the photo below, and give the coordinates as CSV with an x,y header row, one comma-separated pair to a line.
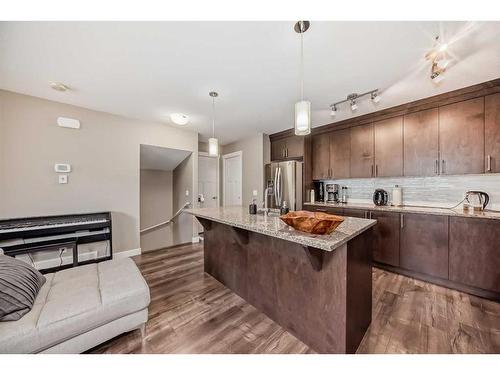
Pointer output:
x,y
361,140
389,147
421,143
461,137
291,147
340,153
492,133
321,157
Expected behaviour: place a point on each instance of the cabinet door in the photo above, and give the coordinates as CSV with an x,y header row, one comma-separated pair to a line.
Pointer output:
x,y
461,137
424,244
475,253
278,149
294,146
320,157
386,237
492,132
351,212
361,139
340,153
421,135
389,147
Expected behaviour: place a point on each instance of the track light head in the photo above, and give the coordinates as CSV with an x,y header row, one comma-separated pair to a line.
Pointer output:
x,y
375,97
354,106
333,110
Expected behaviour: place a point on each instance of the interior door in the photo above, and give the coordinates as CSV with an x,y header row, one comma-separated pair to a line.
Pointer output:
x,y
421,135
232,180
461,137
207,181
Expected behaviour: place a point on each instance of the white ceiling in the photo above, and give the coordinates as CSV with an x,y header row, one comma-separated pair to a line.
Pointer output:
x,y
161,158
148,70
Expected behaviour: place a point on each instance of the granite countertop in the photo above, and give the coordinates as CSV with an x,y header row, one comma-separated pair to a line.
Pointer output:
x,y
239,217
412,209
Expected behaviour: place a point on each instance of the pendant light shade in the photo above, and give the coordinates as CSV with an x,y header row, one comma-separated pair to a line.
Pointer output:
x,y
213,146
213,143
302,107
303,117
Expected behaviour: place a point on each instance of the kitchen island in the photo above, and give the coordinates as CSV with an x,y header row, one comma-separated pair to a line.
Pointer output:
x,y
318,287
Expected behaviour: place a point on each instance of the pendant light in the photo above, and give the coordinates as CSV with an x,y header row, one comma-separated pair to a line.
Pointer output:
x,y
303,107
213,143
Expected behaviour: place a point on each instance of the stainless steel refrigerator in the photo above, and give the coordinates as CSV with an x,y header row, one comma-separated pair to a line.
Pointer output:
x,y
283,182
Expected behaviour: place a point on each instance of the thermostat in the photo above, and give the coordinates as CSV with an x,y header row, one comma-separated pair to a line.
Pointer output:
x,y
62,168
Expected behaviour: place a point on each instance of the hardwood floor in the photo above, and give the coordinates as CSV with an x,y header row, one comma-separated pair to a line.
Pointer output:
x,y
191,312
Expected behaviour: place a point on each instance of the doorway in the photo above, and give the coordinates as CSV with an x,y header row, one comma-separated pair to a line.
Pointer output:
x,y
232,178
208,176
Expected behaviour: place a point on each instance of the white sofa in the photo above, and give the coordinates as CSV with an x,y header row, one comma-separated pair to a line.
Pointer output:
x,y
80,308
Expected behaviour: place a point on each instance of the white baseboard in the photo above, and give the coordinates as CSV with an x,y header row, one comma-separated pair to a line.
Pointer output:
x,y
127,253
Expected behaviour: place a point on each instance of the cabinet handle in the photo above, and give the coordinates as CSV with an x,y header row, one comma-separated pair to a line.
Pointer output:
x,y
402,221
436,167
488,163
376,170
442,166
372,170
286,152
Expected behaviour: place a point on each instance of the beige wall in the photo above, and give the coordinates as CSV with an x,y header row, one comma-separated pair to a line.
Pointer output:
x,y
253,165
104,155
156,200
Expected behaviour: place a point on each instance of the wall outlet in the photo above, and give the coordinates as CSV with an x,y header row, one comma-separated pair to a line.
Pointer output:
x,y
255,193
187,193
63,179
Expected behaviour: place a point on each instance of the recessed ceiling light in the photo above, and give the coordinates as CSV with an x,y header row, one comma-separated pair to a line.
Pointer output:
x,y
58,86
179,118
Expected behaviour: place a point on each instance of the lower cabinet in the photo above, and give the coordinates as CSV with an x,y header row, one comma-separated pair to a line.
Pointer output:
x,y
386,237
424,244
355,213
475,252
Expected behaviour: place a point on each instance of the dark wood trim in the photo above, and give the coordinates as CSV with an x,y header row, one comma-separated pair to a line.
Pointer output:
x,y
466,93
442,282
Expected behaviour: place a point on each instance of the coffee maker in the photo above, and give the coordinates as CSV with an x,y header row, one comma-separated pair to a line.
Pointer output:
x,y
332,193
319,191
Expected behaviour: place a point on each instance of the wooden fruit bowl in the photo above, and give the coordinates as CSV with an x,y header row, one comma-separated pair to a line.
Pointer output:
x,y
312,222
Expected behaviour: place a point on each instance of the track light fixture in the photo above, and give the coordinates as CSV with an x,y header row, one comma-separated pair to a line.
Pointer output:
x,y
439,60
352,99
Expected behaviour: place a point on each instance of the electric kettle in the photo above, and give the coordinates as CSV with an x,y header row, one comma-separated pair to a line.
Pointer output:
x,y
478,200
380,197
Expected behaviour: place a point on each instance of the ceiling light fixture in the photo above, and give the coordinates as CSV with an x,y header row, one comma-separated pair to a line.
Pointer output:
x,y
179,118
303,107
439,60
213,143
58,86
353,98
333,111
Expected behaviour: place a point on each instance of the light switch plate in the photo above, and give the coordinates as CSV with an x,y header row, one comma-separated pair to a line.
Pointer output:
x,y
63,179
187,193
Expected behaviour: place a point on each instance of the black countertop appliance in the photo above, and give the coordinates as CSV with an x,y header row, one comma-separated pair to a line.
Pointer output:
x,y
380,197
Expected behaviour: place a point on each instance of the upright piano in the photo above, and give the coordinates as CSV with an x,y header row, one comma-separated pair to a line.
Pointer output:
x,y
30,235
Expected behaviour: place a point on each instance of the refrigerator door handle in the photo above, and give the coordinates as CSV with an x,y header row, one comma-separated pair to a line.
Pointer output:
x,y
279,187
275,185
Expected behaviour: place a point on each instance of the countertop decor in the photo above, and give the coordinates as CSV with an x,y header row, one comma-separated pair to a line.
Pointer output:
x,y
312,222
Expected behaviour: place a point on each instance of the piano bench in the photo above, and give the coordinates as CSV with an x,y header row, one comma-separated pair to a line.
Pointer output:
x,y
80,308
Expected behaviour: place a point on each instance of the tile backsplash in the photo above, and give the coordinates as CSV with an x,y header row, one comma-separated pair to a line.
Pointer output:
x,y
442,191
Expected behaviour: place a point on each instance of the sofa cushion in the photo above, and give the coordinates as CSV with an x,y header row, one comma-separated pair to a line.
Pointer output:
x,y
76,301
19,286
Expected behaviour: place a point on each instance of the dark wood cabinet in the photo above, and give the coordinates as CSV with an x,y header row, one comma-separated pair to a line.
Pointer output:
x,y
461,137
386,237
321,157
340,153
361,140
475,252
421,143
492,133
424,244
388,138
329,210
352,212
291,147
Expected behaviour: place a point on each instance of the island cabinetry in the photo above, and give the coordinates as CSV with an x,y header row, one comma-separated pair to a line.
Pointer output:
x,y
424,244
475,252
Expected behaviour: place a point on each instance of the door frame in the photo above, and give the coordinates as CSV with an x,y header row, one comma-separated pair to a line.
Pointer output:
x,y
217,172
224,158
